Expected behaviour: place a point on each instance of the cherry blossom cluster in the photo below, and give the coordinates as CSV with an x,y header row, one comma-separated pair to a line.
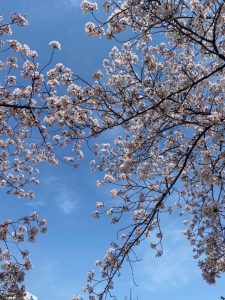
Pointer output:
x,y
87,6
14,263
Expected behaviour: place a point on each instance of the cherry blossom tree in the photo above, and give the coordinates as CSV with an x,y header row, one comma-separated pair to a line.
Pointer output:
x,y
25,104
163,89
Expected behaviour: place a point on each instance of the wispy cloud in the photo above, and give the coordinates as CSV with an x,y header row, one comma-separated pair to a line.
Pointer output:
x,y
174,270
64,196
66,201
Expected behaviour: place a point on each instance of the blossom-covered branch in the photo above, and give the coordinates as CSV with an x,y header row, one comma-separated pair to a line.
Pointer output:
x,y
163,87
14,260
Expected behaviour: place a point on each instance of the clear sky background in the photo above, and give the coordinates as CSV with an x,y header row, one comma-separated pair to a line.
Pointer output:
x,y
66,196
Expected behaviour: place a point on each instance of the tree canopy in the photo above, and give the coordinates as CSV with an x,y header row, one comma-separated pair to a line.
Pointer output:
x,y
162,88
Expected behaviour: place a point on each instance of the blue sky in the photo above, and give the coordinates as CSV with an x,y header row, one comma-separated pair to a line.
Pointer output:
x,y
66,196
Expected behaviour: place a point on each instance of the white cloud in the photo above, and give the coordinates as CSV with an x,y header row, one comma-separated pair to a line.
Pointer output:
x,y
66,201
174,270
65,197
